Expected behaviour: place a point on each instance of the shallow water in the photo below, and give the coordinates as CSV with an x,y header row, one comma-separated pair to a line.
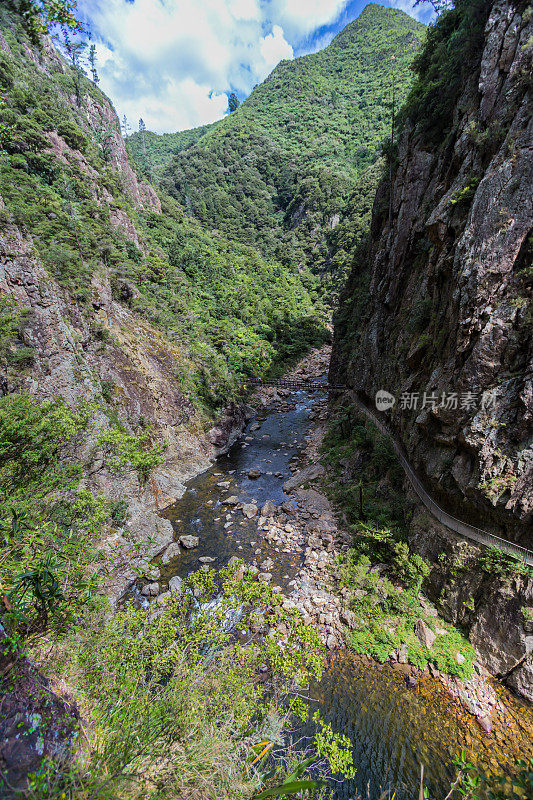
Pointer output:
x,y
393,729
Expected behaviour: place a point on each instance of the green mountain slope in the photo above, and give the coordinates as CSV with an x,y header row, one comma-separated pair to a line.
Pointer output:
x,y
66,183
278,171
152,151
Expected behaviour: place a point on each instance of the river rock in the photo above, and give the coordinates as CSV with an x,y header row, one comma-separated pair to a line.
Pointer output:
x,y
206,560
264,577
189,541
459,657
303,476
150,590
233,500
233,561
485,723
267,564
175,584
163,599
172,551
152,573
253,474
424,633
255,426
402,654
348,617
249,510
269,509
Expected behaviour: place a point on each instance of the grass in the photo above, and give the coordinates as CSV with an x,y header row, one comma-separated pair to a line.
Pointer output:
x,y
386,602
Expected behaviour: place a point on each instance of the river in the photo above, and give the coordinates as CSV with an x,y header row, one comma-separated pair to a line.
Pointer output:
x,y
393,728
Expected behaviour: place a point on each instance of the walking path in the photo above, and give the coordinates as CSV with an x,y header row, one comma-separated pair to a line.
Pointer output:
x,y
452,523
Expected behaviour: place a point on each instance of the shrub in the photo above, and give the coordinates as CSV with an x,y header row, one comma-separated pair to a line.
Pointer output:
x,y
136,451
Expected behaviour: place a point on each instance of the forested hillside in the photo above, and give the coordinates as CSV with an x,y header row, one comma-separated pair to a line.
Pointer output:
x,y
277,172
65,181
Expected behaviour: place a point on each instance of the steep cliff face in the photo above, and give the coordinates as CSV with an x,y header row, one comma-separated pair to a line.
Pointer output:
x,y
83,340
440,300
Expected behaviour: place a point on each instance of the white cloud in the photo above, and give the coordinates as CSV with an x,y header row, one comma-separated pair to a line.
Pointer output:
x,y
173,61
423,12
300,17
274,48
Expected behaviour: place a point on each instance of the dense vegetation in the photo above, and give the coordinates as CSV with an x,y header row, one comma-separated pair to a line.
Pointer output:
x,y
277,172
386,604
450,54
235,312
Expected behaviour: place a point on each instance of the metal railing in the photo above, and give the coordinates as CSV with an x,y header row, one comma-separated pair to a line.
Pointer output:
x,y
295,385
454,524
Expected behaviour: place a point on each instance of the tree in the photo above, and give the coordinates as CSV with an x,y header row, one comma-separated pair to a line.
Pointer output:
x,y
142,129
126,127
74,50
439,6
92,63
38,16
233,102
146,159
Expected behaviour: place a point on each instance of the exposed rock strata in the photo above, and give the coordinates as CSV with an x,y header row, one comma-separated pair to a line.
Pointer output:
x,y
449,304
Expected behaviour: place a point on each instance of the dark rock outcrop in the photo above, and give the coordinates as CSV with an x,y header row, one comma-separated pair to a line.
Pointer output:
x,y
495,609
448,308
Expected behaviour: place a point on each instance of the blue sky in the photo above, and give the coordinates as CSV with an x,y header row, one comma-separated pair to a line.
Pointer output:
x,y
172,62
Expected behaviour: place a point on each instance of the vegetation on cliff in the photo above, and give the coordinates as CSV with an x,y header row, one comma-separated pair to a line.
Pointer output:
x,y
233,310
383,576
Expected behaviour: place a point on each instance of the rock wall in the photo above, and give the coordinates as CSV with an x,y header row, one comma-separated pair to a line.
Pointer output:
x,y
449,304
495,610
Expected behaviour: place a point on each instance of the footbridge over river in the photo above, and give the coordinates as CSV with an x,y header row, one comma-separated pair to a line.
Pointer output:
x,y
462,529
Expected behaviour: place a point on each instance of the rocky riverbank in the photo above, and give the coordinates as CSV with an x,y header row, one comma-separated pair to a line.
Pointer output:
x,y
297,541
313,528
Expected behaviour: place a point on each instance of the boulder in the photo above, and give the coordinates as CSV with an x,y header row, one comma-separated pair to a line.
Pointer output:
x,y
424,633
150,590
249,510
172,551
189,541
269,509
303,476
348,617
163,599
485,723
175,584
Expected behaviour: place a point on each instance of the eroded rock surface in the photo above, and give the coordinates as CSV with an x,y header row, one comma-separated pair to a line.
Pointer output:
x,y
448,308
